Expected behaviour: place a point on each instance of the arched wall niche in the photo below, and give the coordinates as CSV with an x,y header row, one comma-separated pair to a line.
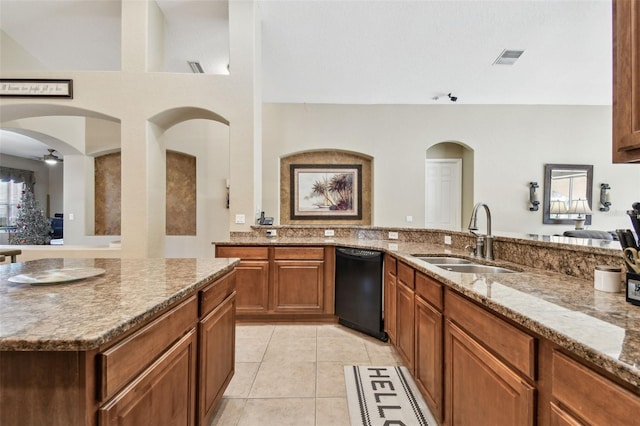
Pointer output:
x,y
455,150
326,157
196,188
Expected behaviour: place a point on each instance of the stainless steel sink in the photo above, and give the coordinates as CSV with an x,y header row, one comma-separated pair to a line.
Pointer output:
x,y
465,266
475,268
442,260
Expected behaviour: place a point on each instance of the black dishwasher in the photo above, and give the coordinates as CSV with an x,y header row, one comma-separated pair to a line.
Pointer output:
x,y
359,290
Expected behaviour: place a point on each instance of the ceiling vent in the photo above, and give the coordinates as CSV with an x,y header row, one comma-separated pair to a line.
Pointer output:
x,y
195,66
508,57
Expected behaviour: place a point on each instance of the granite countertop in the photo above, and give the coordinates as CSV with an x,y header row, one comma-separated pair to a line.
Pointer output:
x,y
85,314
600,327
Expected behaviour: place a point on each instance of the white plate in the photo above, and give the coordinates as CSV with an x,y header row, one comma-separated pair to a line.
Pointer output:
x,y
52,276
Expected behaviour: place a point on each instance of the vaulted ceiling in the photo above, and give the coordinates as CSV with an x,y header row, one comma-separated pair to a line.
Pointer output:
x,y
357,51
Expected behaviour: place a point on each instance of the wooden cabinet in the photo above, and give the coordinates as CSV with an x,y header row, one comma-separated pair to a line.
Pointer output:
x,y
283,281
163,393
217,334
298,280
428,342
405,314
487,362
252,277
390,283
626,81
582,396
160,372
122,362
481,389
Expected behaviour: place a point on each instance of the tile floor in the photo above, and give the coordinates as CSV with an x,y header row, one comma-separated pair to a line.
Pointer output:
x,y
293,374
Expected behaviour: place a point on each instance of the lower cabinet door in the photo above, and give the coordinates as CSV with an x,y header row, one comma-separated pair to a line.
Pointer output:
x,y
252,286
559,417
428,360
164,394
217,360
480,389
405,324
298,286
390,318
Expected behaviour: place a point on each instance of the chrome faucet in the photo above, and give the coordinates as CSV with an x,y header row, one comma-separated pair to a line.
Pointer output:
x,y
484,243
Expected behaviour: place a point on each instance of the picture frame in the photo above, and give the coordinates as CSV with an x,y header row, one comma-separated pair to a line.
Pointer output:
x,y
326,191
36,88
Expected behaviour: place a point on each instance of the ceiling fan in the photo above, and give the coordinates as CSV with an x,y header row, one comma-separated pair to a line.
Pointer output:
x,y
51,158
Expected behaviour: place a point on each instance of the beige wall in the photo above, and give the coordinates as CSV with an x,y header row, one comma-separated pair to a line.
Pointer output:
x,y
510,146
133,97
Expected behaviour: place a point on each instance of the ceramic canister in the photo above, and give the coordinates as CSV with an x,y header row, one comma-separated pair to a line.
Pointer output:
x,y
607,278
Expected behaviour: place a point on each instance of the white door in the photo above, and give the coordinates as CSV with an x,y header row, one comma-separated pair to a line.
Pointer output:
x,y
443,198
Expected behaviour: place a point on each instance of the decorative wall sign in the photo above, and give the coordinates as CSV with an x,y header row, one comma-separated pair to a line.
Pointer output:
x,y
320,191
29,88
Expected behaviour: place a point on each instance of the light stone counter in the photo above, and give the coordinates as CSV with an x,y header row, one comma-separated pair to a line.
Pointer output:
x,y
84,314
600,327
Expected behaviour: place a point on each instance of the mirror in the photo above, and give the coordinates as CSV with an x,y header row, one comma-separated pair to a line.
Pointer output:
x,y
564,185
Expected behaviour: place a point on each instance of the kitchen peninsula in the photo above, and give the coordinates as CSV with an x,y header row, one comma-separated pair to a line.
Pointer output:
x,y
541,342
146,339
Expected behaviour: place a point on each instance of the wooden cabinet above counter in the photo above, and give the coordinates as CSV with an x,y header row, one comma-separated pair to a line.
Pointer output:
x,y
626,81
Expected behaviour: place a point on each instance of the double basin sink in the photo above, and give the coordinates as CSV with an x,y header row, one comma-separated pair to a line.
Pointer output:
x,y
465,266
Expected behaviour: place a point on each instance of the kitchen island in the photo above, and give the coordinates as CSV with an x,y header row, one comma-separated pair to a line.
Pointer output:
x,y
133,342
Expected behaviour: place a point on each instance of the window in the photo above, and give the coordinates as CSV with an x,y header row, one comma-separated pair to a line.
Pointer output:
x,y
10,195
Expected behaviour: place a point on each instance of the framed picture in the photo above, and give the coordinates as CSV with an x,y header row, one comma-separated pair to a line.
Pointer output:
x,y
29,88
320,191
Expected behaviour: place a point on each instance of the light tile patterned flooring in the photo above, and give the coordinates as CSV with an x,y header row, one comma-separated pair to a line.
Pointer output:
x,y
293,374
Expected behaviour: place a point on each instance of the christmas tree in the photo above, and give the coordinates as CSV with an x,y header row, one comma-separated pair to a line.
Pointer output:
x,y
32,225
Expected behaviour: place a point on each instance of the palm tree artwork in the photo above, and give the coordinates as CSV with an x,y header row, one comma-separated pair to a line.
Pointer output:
x,y
332,191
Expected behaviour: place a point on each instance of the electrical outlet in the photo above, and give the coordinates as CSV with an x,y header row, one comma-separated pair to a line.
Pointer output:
x,y
393,235
447,239
272,233
240,218
71,216
329,233
393,246
409,219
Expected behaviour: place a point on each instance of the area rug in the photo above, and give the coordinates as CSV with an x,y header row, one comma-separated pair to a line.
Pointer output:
x,y
384,396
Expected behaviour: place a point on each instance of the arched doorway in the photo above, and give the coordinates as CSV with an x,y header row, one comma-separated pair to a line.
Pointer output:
x,y
448,185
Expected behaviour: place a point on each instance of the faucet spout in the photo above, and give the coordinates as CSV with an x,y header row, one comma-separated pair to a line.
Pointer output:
x,y
484,244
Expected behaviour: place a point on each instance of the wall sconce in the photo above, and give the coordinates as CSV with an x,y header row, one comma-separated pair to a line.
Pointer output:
x,y
534,200
227,183
605,197
579,207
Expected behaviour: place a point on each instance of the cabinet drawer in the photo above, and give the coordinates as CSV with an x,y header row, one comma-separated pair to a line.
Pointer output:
x,y
514,346
299,253
164,393
405,275
429,289
245,253
212,295
597,399
122,362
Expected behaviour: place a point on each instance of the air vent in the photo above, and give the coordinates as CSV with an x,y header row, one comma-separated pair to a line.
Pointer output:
x,y
195,66
508,57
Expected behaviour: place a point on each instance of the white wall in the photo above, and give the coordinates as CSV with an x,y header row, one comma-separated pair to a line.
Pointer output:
x,y
511,145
